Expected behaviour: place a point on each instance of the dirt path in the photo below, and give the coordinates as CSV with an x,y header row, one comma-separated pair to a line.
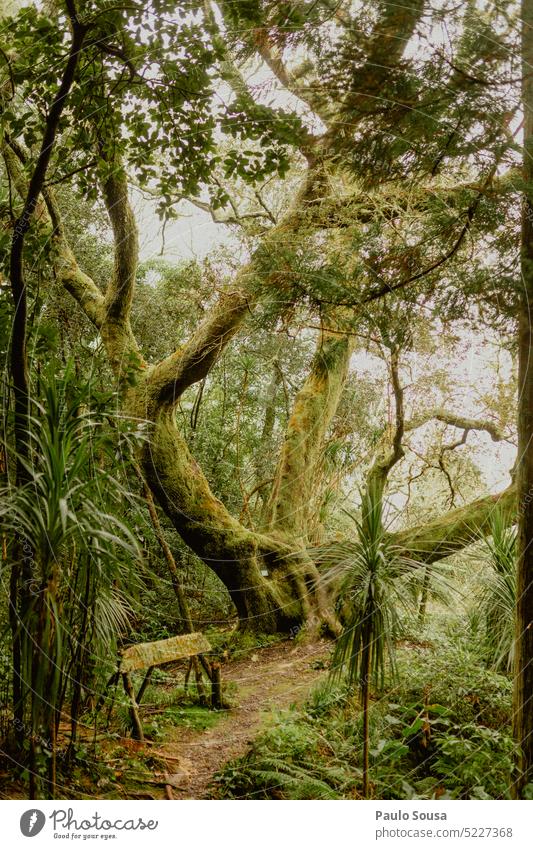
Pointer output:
x,y
270,678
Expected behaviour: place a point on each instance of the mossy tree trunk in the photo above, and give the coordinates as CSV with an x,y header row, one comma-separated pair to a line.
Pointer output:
x,y
297,475
455,530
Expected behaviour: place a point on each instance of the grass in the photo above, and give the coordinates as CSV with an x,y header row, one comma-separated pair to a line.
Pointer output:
x,y
191,716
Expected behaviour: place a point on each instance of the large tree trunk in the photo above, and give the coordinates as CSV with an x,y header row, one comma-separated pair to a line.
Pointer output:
x,y
297,476
273,586
271,578
523,672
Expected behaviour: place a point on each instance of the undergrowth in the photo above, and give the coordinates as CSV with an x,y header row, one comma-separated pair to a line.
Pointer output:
x,y
442,732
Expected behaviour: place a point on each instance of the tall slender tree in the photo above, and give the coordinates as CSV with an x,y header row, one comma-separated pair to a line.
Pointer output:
x,y
523,681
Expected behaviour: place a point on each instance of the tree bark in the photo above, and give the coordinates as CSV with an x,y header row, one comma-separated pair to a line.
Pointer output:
x,y
297,474
455,530
523,671
262,464
271,584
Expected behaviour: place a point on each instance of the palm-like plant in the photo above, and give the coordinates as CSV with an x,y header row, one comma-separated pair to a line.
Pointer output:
x,y
498,600
375,582
77,558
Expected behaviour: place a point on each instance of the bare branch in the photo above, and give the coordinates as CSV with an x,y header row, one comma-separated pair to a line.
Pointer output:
x,y
115,329
456,420
237,217
18,353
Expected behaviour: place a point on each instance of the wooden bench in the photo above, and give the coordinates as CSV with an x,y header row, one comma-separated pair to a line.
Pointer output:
x,y
149,655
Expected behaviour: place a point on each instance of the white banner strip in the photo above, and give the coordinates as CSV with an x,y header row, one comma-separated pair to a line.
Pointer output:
x,y
274,825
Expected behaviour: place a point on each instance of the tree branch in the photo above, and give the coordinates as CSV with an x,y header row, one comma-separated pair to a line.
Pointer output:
x,y
121,346
119,293
19,359
237,217
272,56
297,476
385,50
358,207
455,530
67,271
235,80
173,375
455,420
391,453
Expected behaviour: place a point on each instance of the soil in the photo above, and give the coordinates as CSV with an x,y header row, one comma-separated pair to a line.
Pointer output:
x,y
269,679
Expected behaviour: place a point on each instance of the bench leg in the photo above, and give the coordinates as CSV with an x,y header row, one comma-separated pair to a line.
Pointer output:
x,y
137,729
216,687
146,681
111,683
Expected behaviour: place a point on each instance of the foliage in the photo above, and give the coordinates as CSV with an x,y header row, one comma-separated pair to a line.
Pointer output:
x,y
376,582
499,593
441,732
74,555
362,159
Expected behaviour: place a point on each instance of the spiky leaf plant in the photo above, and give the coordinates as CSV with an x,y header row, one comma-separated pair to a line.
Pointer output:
x,y
498,599
376,582
75,563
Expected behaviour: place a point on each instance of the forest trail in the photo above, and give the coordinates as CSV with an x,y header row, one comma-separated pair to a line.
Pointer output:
x,y
269,678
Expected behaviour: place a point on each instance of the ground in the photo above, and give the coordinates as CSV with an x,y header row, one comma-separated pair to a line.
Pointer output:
x,y
270,678
182,763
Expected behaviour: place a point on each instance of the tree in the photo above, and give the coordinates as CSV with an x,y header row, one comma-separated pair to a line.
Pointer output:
x,y
523,670
350,238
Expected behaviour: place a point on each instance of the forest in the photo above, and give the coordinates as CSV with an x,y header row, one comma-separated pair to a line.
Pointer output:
x,y
266,493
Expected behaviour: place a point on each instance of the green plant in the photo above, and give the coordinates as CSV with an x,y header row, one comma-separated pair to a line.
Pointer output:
x,y
498,600
441,731
471,761
375,583
72,559
190,716
285,763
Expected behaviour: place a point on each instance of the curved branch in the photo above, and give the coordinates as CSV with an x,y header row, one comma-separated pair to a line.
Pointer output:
x,y
455,530
116,332
456,420
173,375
